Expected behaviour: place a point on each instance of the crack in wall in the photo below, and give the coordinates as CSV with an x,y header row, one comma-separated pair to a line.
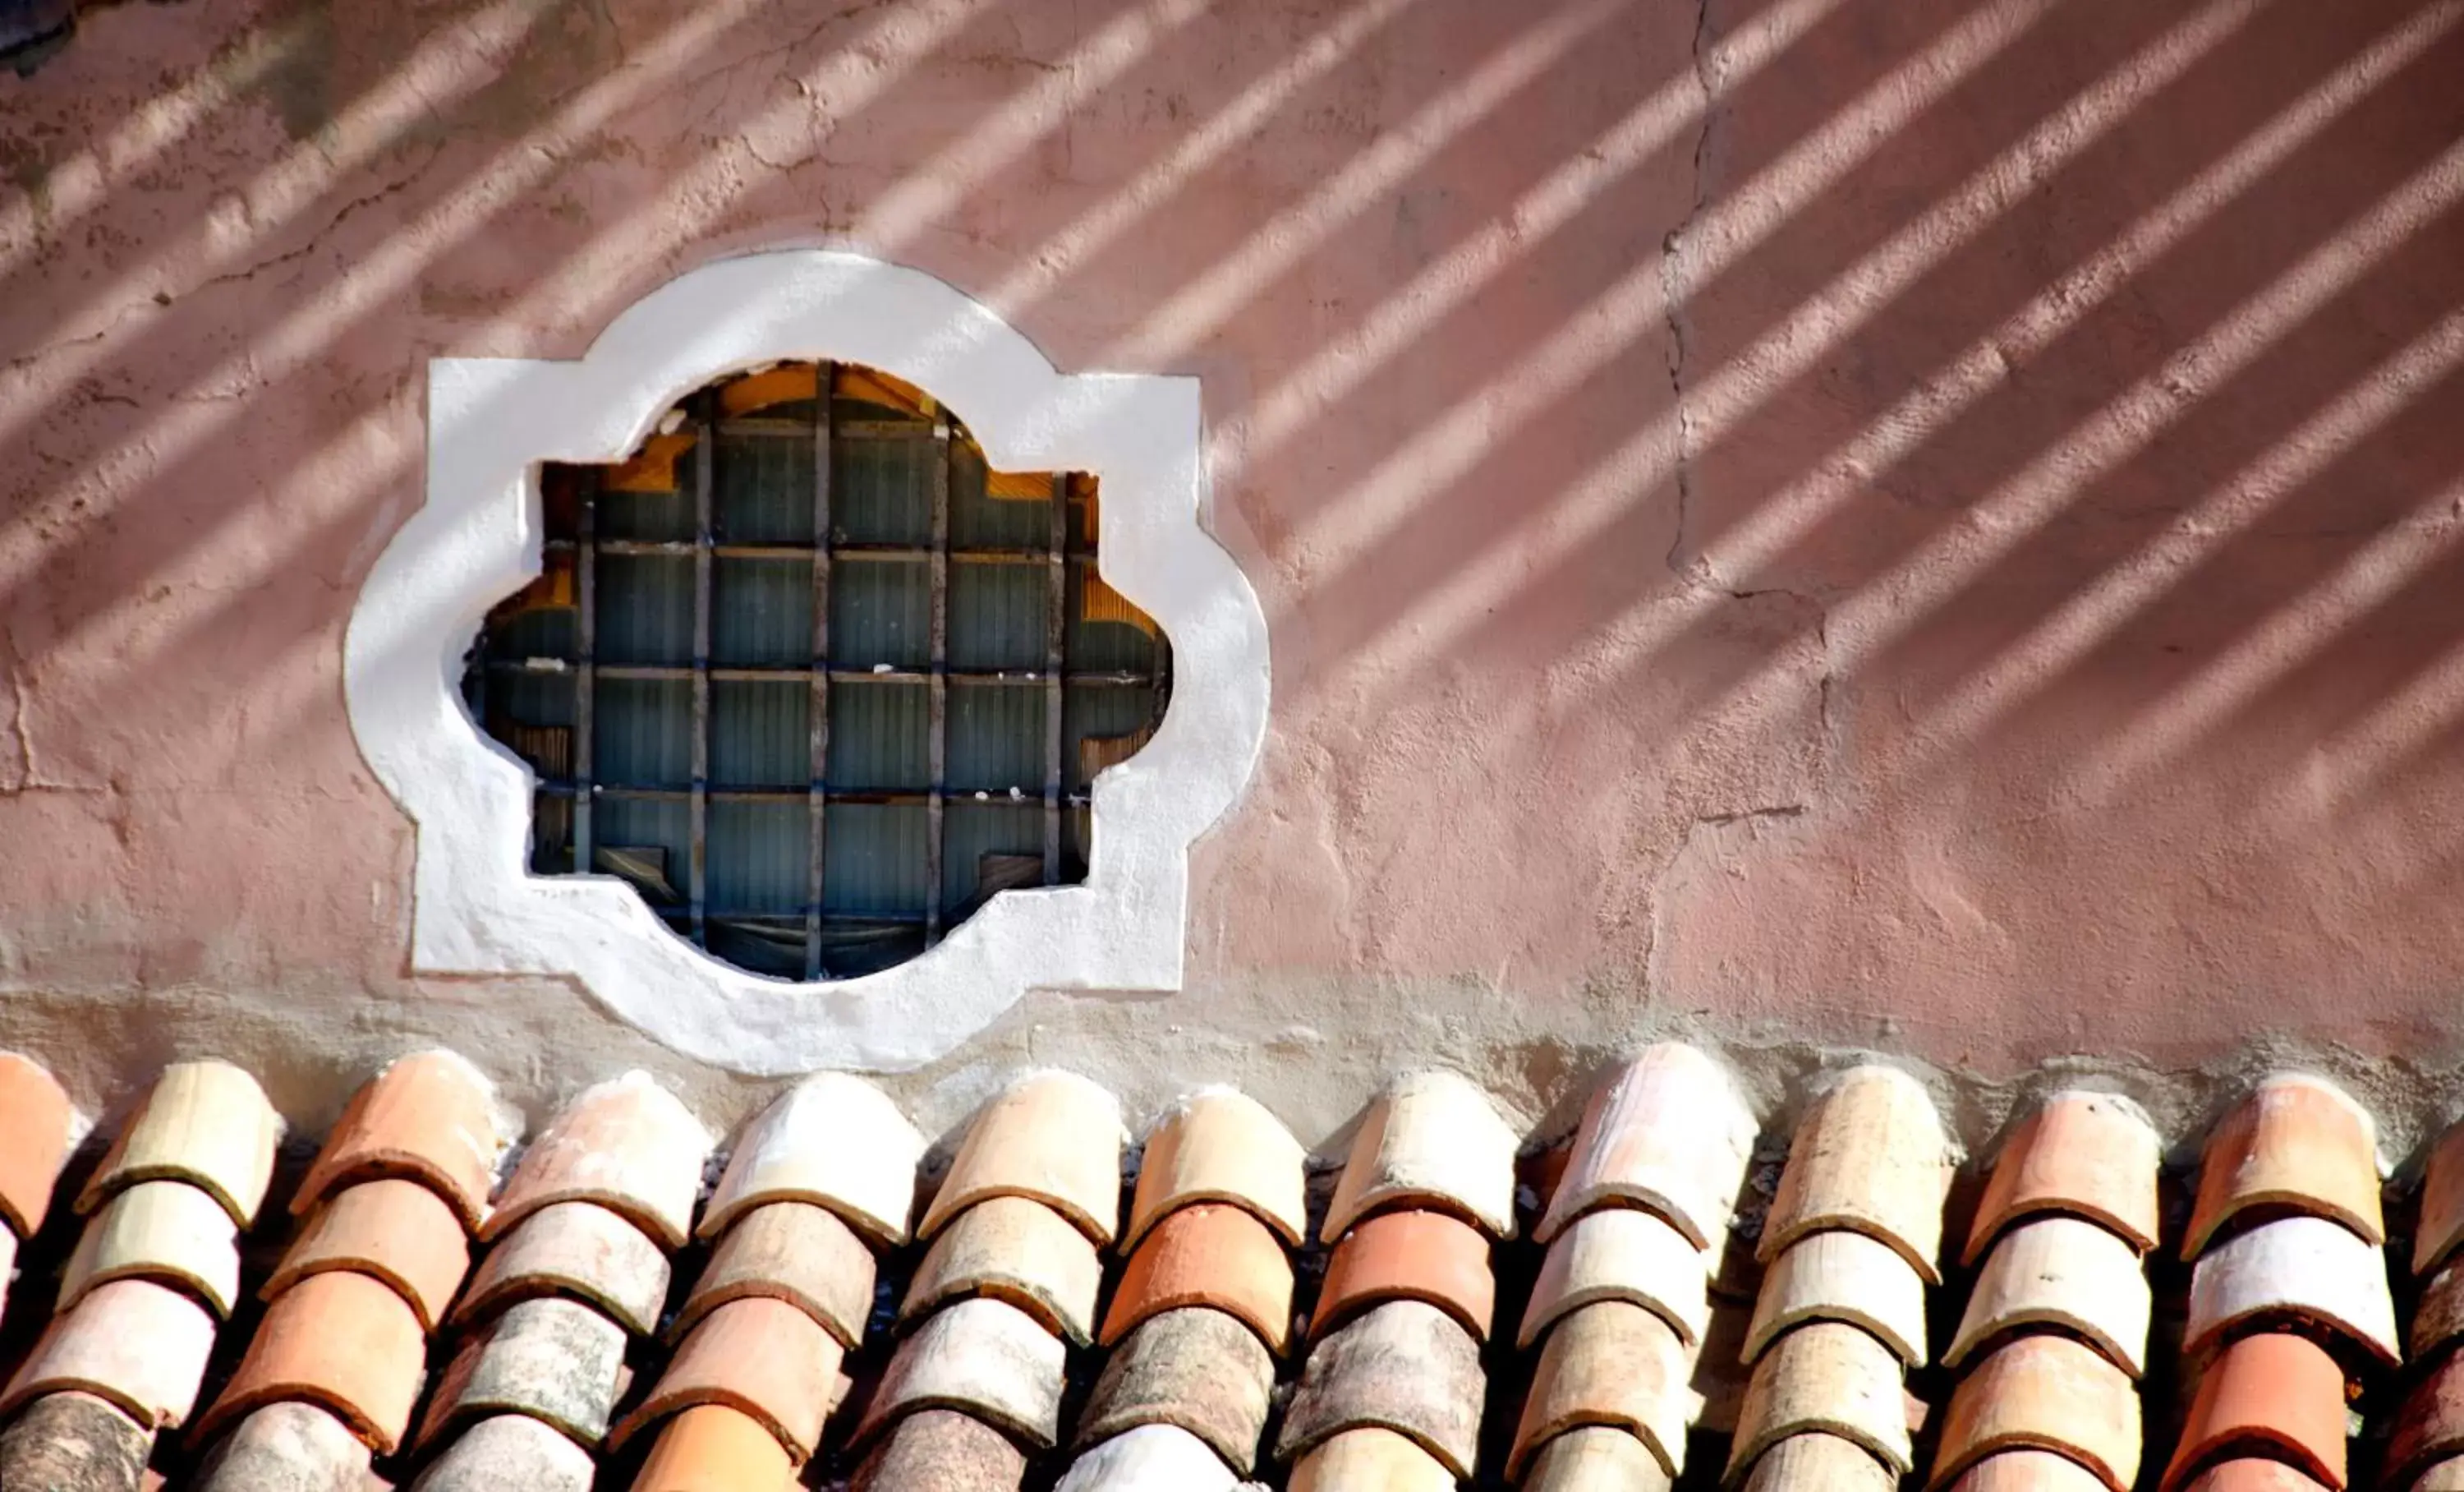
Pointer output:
x,y
1673,292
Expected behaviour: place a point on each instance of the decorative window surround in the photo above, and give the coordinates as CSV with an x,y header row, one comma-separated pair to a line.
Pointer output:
x,y
477,909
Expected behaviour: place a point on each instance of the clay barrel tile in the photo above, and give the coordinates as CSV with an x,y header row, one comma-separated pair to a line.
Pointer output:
x,y
1595,1459
1370,1459
1017,1250
2299,1142
1220,1146
169,1231
833,1141
430,1117
1149,1459
2091,1155
1409,1255
1611,1364
2274,1393
986,1358
1053,1137
2066,1273
2311,1269
2428,1426
1211,1254
286,1446
346,1342
2439,1318
138,1344
1197,1369
1622,1253
206,1123
1811,1460
2043,1393
1431,1139
795,1252
2447,1476
2032,1471
760,1357
1667,1131
2255,1473
554,1360
714,1448
75,1443
1870,1156
1827,1376
1842,1276
940,1450
1407,1367
626,1144
510,1453
42,1128
399,1232
2441,1227
580,1248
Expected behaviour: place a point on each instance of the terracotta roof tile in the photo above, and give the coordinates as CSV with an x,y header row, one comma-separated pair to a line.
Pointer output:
x,y
284,1446
580,1248
2091,1155
1842,1275
982,1356
714,1448
1418,1256
554,1360
138,1344
2043,1393
1053,1137
945,1451
2441,1225
1016,1250
1830,1377
1220,1146
1149,1456
1869,1156
1431,1139
42,1127
1370,1458
1211,1254
1609,1364
626,1144
795,1251
1667,1131
2274,1393
510,1453
2299,1142
757,1356
430,1116
2308,1269
1622,1253
75,1443
834,1141
1197,1369
1595,1459
2255,1473
2064,1273
2028,1471
345,1340
206,1123
169,1231
1802,1462
2438,1316
2428,1426
1406,1366
398,1232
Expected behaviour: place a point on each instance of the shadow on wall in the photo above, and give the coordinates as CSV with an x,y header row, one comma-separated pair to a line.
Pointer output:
x,y
1842,497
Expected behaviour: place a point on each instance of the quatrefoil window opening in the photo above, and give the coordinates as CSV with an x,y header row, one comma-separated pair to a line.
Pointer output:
x,y
813,679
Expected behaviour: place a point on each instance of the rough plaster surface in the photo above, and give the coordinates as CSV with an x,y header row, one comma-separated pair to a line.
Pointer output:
x,y
1925,527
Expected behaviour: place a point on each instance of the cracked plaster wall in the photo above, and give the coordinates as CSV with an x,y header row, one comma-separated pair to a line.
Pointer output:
x,y
1908,525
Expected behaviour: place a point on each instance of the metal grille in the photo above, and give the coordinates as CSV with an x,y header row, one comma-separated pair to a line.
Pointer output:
x,y
811,679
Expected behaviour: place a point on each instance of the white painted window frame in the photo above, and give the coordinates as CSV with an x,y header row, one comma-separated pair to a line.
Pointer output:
x,y
477,910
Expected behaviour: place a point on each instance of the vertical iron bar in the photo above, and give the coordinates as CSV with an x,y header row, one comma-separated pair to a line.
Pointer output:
x,y
1056,631
937,741
819,707
705,429
586,674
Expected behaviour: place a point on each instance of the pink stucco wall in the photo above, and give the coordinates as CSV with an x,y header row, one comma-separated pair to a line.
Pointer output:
x,y
1951,547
